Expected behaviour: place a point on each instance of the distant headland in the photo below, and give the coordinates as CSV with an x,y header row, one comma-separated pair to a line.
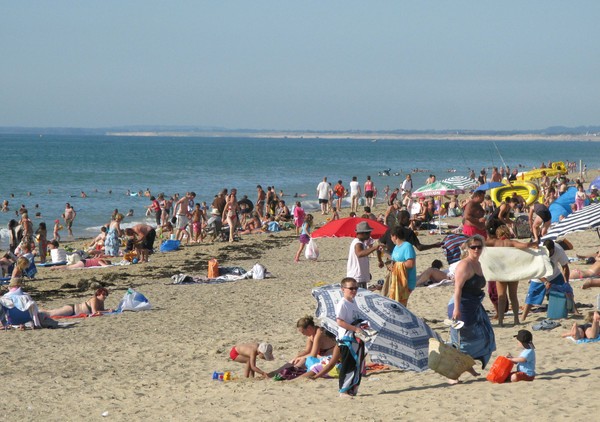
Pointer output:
x,y
555,133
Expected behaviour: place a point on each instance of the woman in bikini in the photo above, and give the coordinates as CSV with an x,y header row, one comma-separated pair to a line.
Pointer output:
x,y
318,343
230,213
93,306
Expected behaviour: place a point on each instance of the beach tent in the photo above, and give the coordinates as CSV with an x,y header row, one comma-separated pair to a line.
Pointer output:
x,y
595,183
562,205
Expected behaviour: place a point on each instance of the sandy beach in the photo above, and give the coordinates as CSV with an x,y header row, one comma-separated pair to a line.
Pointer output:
x,y
158,364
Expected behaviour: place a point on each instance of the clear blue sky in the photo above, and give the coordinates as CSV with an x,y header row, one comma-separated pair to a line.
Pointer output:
x,y
301,64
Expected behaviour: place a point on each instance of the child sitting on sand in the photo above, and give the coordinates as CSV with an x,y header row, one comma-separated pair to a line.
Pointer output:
x,y
588,330
248,352
526,360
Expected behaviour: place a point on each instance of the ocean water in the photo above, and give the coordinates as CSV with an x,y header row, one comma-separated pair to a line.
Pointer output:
x,y
49,171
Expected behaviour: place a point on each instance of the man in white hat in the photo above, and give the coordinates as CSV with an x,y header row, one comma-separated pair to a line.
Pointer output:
x,y
358,257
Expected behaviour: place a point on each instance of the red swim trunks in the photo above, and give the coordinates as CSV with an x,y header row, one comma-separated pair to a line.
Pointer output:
x,y
521,376
233,353
472,231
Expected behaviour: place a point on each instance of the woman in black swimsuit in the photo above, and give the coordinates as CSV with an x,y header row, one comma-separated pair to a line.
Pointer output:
x,y
93,306
476,338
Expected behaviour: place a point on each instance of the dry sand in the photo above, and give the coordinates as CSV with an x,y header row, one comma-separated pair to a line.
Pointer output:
x,y
158,364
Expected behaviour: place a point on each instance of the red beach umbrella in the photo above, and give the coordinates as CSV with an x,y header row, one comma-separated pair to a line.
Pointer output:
x,y
346,227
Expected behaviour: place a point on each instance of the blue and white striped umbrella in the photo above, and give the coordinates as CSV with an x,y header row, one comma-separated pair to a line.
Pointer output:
x,y
584,219
402,338
462,182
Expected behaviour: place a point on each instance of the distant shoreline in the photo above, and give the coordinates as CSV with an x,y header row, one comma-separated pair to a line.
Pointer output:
x,y
368,136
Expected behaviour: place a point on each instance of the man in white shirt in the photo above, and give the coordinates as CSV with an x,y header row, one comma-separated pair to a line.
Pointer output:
x,y
323,195
358,256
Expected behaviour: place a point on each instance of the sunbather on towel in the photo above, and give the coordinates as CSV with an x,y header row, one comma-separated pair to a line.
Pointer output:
x,y
590,329
93,306
84,263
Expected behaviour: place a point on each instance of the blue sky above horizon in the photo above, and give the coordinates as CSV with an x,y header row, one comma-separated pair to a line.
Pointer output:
x,y
314,65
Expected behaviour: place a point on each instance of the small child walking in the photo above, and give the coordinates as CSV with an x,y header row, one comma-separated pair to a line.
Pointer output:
x,y
248,352
352,350
304,236
526,360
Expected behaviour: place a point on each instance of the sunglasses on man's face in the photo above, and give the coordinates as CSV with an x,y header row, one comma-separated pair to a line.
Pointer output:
x,y
351,288
476,247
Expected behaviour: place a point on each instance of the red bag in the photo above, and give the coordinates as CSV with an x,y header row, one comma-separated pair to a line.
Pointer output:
x,y
500,370
213,268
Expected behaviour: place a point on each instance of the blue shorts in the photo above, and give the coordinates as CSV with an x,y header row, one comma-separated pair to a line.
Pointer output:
x,y
537,290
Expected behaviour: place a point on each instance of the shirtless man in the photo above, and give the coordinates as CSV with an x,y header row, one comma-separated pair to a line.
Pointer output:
x,y
142,237
69,217
181,212
474,215
496,176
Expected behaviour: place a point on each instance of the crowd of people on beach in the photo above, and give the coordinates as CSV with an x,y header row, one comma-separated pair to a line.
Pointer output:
x,y
485,224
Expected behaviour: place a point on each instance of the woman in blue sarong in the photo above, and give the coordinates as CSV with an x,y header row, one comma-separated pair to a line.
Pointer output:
x,y
112,241
476,338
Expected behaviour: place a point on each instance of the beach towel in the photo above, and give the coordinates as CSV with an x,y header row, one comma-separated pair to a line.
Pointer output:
x,y
352,366
584,340
511,264
398,289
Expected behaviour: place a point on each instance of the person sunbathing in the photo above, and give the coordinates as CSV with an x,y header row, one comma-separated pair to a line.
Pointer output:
x,y
84,263
593,271
93,306
433,274
590,329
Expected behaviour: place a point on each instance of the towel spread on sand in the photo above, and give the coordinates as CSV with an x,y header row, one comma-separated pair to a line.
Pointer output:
x,y
512,264
584,340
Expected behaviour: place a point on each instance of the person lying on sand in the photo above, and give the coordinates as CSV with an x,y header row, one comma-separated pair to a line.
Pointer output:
x,y
593,271
433,274
84,263
247,353
590,329
93,306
